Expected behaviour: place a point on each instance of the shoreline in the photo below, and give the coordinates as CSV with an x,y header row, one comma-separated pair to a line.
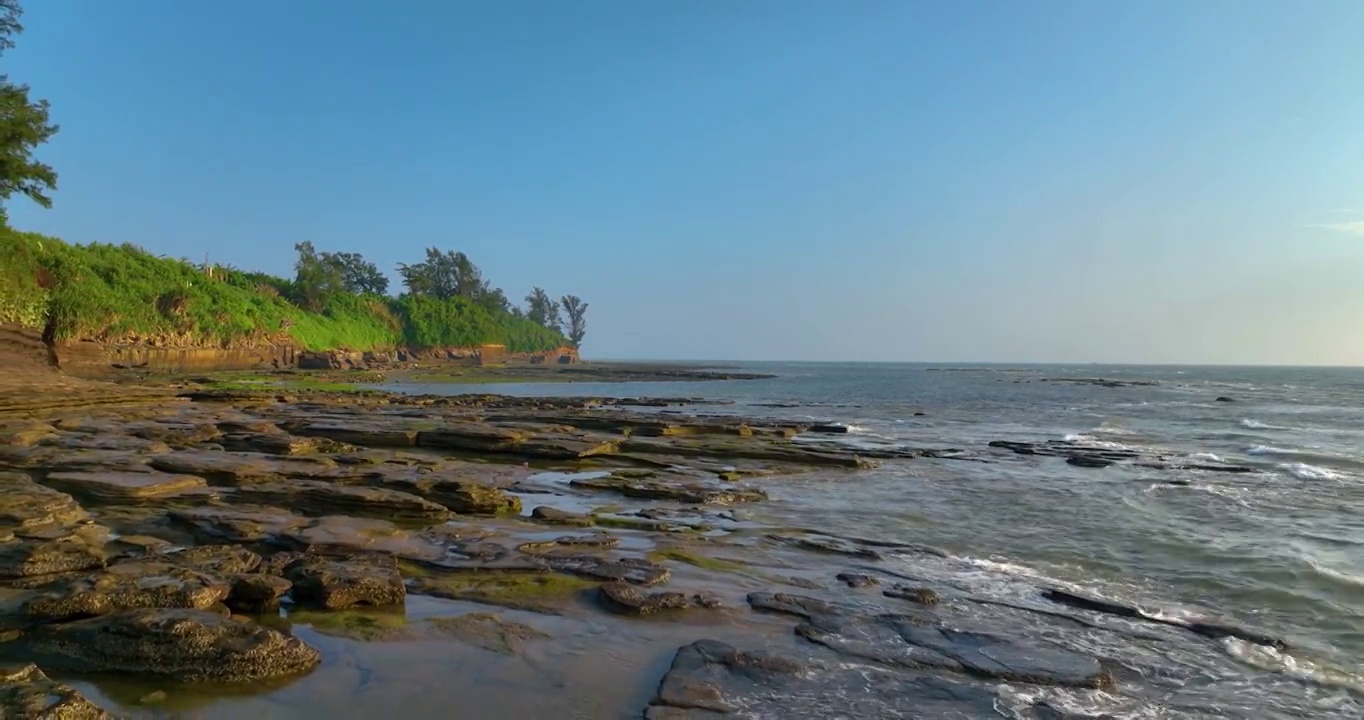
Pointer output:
x,y
296,532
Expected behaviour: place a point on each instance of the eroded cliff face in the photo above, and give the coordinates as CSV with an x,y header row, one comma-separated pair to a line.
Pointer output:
x,y
28,348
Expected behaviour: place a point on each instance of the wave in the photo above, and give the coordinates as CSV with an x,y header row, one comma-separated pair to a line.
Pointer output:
x,y
1211,457
1271,659
1338,575
1271,450
1303,471
1090,441
1257,425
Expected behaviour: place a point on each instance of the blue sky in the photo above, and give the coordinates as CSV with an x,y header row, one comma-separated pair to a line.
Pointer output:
x,y
767,179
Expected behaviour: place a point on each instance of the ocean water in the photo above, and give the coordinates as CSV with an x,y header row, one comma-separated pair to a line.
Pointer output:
x,y
1280,549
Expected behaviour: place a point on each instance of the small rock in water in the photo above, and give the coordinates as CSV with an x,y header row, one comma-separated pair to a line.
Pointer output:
x,y
1224,398
858,580
829,429
921,595
1088,461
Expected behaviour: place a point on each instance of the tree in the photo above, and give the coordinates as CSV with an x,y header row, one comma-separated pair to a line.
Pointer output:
x,y
542,309
315,280
576,310
444,275
24,125
358,275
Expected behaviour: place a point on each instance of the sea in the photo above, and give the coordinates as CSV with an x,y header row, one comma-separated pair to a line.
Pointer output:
x,y
1279,549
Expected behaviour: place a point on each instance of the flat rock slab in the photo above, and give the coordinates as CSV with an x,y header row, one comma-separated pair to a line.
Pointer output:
x,y
709,679
125,586
239,524
180,645
488,631
54,549
332,584
625,599
322,498
27,694
343,535
26,504
458,494
922,640
116,486
237,469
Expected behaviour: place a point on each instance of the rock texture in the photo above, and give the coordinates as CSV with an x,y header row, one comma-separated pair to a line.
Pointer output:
x,y
184,645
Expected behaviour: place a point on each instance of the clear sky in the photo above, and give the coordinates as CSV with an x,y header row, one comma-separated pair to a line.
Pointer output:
x,y
763,179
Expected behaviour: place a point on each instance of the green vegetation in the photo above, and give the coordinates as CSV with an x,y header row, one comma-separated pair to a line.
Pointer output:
x,y
124,294
536,591
336,300
366,624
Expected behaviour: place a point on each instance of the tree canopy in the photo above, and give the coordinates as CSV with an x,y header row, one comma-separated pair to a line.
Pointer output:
x,y
24,125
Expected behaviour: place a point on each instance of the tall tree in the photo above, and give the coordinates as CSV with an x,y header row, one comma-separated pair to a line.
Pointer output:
x,y
358,275
542,309
24,125
445,275
315,280
576,310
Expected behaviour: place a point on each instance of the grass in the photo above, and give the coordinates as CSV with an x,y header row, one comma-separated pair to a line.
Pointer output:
x,y
122,294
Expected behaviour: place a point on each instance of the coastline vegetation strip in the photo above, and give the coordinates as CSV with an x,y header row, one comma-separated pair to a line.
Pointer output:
x,y
123,294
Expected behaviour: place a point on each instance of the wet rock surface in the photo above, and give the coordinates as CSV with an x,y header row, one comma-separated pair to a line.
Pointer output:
x,y
28,694
125,586
128,537
337,584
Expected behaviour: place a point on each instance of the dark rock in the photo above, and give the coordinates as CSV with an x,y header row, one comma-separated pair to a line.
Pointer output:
x,y
332,584
1088,461
556,516
460,495
629,600
184,645
125,586
1224,398
858,580
709,679
635,571
27,694
828,544
829,429
256,593
1206,628
798,605
920,595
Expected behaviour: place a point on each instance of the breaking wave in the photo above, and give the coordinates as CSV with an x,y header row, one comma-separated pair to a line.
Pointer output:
x,y
1303,471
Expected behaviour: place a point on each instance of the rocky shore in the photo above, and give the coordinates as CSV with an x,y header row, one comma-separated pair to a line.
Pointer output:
x,y
212,543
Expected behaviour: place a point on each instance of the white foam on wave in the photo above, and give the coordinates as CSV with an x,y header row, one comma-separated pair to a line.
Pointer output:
x,y
1303,471
1338,575
1271,659
1213,457
1019,703
1257,425
1090,441
1270,450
